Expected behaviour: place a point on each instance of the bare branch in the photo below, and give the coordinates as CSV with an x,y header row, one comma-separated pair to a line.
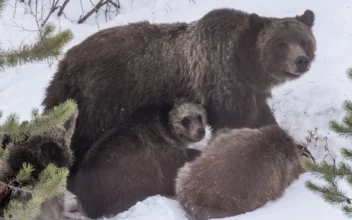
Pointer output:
x,y
96,8
52,10
14,13
16,189
62,8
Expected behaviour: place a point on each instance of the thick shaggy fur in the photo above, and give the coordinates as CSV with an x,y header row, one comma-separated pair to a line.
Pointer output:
x,y
228,60
240,171
139,159
39,151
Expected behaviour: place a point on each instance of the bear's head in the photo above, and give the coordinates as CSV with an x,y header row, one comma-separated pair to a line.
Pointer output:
x,y
41,149
187,121
285,46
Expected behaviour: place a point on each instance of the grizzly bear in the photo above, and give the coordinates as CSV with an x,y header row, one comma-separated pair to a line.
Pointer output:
x,y
39,151
228,60
139,159
240,171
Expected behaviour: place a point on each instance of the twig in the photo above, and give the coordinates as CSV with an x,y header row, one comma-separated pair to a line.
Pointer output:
x,y
52,10
97,7
325,139
16,188
62,8
14,13
117,6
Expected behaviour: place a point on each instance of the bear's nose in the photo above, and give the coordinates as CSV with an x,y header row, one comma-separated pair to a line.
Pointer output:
x,y
302,63
200,132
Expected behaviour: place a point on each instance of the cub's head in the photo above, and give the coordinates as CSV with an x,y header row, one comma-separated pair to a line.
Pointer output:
x,y
188,120
42,149
286,46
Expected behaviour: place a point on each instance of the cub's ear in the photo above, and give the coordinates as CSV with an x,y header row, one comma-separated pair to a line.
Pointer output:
x,y
257,23
307,18
70,126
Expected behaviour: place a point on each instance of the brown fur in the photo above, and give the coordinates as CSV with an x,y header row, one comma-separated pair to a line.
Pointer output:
x,y
39,151
240,171
228,60
139,159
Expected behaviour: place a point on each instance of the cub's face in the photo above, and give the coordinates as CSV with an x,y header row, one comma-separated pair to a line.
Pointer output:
x,y
46,149
188,121
287,47
40,151
193,127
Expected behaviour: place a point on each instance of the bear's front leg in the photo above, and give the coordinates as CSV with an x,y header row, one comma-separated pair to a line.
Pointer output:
x,y
240,116
265,115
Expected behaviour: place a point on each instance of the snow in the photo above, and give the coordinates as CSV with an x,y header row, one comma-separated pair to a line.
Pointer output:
x,y
308,103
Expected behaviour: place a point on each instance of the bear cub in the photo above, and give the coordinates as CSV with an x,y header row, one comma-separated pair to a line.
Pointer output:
x,y
52,147
140,158
240,171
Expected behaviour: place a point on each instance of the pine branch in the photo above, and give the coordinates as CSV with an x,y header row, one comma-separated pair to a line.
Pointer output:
x,y
25,173
347,210
2,6
11,127
344,169
329,193
52,182
35,114
323,171
347,105
349,73
54,117
340,129
27,211
46,48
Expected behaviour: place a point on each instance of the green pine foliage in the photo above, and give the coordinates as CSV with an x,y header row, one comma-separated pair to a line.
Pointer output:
x,y
52,180
56,116
51,183
331,174
2,5
48,46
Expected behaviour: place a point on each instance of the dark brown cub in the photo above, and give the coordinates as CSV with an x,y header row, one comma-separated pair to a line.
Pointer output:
x,y
139,159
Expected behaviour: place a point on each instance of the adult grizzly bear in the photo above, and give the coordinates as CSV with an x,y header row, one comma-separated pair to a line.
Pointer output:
x,y
240,171
228,60
139,159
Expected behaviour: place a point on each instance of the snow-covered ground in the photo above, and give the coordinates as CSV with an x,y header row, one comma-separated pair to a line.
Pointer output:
x,y
308,103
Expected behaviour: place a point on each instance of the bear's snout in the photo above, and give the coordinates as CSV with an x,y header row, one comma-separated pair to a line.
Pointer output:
x,y
196,134
302,63
200,133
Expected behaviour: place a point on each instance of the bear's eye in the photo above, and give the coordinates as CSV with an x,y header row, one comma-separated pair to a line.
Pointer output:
x,y
303,43
282,45
186,122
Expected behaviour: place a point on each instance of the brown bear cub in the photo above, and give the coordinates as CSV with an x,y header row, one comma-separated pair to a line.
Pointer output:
x,y
140,158
228,60
240,171
40,150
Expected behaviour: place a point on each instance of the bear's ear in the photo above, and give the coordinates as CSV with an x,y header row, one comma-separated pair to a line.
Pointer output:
x,y
257,23
307,18
70,126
